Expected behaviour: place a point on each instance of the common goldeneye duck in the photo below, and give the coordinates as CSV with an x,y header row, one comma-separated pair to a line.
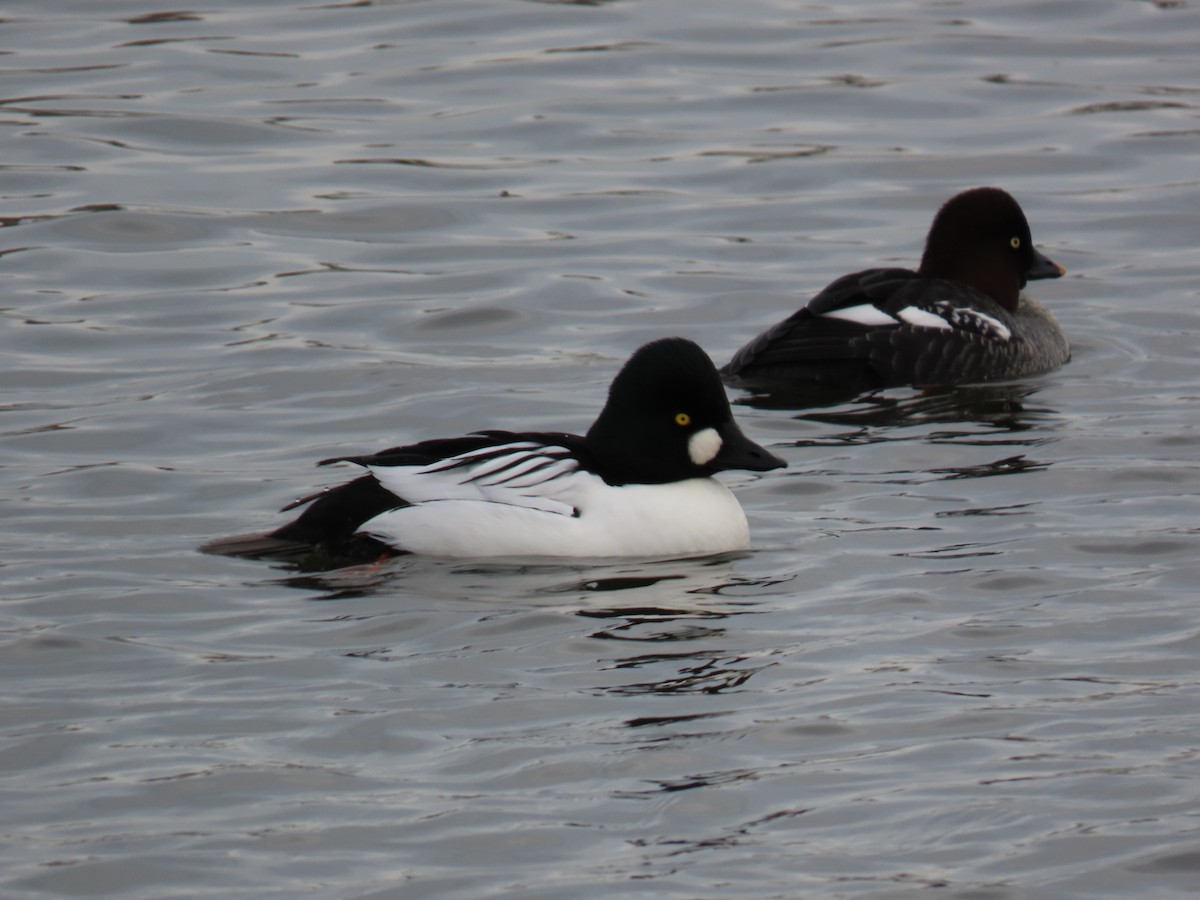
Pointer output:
x,y
960,318
637,484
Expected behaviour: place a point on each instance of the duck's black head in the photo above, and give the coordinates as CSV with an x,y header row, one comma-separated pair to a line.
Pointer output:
x,y
981,237
667,419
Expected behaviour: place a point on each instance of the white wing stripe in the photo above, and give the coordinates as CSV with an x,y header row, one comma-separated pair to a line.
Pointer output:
x,y
509,468
544,474
923,318
999,328
522,474
493,458
864,314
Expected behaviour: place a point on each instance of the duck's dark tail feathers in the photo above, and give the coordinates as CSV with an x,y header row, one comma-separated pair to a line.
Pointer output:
x,y
325,535
259,545
299,554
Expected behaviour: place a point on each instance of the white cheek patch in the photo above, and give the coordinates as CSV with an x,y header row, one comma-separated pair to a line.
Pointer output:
x,y
864,314
923,318
703,446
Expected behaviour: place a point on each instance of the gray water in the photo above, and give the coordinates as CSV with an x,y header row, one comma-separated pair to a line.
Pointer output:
x,y
962,659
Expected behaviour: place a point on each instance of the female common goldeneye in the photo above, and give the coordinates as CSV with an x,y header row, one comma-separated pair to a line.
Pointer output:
x,y
960,318
637,484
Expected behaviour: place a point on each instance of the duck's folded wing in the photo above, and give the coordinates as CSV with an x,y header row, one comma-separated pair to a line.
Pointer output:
x,y
846,297
523,473
892,318
829,326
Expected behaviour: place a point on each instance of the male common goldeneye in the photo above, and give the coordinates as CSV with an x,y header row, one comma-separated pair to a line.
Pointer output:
x,y
637,484
960,318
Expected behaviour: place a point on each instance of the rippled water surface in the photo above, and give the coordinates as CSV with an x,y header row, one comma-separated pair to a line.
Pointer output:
x,y
962,658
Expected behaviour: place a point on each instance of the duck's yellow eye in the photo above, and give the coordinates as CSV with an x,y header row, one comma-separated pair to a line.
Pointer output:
x,y
1015,243
683,420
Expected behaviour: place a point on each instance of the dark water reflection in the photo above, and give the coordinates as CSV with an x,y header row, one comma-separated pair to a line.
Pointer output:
x,y
1004,407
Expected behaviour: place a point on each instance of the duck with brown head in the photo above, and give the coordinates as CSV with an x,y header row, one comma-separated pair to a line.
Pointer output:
x,y
961,317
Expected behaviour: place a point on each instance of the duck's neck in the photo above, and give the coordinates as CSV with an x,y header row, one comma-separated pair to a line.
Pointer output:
x,y
989,270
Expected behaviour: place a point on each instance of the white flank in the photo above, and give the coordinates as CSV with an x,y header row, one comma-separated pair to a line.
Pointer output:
x,y
683,518
864,314
923,318
703,446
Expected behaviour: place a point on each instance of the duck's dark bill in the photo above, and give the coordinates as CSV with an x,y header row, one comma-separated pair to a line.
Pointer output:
x,y
739,452
1044,267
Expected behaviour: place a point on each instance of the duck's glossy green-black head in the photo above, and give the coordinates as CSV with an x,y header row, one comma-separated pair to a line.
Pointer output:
x,y
667,418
